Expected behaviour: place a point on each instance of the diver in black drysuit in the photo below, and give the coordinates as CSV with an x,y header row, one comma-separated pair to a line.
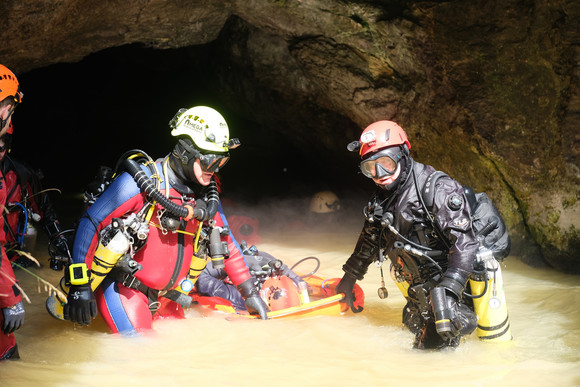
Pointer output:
x,y
452,245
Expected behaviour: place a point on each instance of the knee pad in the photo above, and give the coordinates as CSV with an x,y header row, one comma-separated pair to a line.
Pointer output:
x,y
125,310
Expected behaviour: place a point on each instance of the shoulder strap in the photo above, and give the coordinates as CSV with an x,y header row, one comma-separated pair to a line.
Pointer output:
x,y
427,197
428,191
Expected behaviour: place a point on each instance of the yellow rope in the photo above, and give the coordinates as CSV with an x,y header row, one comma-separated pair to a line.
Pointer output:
x,y
178,231
196,243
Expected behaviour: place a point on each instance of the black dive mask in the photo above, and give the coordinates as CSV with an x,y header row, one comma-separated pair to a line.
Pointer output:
x,y
187,153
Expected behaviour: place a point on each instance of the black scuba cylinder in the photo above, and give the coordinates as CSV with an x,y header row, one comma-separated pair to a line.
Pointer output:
x,y
148,188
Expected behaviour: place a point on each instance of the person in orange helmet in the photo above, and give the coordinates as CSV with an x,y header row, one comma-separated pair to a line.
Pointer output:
x,y
10,97
11,308
432,250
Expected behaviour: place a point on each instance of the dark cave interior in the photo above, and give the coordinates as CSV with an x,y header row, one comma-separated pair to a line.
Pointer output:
x,y
76,117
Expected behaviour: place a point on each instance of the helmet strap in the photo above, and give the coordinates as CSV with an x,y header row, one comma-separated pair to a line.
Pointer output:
x,y
185,152
181,177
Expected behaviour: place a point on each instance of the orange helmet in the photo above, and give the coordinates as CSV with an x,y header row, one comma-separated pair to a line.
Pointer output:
x,y
9,86
280,293
382,134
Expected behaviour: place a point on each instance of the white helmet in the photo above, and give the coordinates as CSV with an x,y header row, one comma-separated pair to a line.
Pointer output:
x,y
205,126
324,202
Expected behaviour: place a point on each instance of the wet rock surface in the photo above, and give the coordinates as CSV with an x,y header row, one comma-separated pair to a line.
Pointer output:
x,y
488,91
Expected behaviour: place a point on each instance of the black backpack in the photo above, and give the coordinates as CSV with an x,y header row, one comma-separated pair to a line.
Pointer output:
x,y
487,221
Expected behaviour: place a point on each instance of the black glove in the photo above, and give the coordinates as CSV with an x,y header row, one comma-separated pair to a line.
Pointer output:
x,y
346,286
13,318
447,318
253,301
81,306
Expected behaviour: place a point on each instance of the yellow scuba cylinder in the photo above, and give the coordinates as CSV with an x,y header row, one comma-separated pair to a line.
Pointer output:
x,y
187,284
197,264
399,280
489,301
106,257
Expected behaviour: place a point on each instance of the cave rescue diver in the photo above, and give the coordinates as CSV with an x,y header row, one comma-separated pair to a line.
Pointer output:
x,y
432,251
11,308
167,225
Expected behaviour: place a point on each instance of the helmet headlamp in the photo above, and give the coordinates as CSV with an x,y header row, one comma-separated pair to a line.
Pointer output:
x,y
234,143
368,137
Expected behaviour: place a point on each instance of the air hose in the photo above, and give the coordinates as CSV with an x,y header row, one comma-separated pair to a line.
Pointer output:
x,y
187,211
22,233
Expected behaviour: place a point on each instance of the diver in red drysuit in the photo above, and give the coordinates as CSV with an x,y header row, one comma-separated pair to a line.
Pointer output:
x,y
11,308
128,306
26,203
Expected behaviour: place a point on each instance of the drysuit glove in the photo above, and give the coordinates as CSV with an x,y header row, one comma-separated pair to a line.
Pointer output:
x,y
253,301
346,286
447,320
81,306
13,318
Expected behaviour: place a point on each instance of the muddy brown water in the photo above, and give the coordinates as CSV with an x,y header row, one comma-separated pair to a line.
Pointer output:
x,y
371,348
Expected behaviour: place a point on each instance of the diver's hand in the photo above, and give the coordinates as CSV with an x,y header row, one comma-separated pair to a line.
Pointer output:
x,y
447,321
346,286
81,306
13,318
254,304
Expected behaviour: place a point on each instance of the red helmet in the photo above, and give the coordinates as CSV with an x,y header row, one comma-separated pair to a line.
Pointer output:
x,y
382,134
9,86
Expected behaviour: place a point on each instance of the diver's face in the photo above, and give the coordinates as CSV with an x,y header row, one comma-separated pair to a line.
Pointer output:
x,y
202,176
5,114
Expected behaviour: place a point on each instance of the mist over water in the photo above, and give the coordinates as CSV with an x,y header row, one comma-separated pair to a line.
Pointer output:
x,y
370,348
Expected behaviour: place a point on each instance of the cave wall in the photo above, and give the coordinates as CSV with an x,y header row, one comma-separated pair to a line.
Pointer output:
x,y
487,90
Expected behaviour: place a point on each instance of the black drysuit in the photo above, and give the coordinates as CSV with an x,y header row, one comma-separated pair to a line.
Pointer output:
x,y
449,242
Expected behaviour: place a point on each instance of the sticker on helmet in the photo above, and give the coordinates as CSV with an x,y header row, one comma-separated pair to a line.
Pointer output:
x,y
191,124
